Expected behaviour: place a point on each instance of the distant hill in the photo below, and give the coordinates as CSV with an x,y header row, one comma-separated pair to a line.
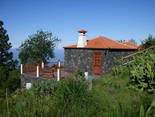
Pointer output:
x,y
59,54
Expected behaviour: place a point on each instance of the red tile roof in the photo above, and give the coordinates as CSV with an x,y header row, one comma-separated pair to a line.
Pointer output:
x,y
130,44
103,43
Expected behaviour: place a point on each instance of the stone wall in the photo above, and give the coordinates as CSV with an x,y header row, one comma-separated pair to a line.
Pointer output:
x,y
108,58
30,79
82,59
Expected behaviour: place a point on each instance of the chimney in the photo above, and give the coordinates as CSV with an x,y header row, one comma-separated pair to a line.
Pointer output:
x,y
82,38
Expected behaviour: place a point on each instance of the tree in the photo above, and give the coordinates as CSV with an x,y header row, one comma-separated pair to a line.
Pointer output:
x,y
38,47
121,41
6,57
7,64
150,41
133,41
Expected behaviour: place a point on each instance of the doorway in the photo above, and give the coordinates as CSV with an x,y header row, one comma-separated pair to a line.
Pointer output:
x,y
97,63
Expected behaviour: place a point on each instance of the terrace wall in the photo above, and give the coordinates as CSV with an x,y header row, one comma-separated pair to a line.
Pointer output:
x,y
30,79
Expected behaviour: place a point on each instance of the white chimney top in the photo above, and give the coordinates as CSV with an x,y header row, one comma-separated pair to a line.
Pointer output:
x,y
82,42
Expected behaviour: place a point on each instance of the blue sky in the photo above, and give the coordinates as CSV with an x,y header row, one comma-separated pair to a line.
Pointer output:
x,y
116,19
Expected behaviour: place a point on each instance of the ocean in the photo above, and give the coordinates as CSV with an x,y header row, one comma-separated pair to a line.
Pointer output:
x,y
58,52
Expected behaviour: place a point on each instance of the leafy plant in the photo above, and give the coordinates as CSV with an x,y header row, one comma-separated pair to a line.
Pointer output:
x,y
64,98
79,74
149,112
116,100
142,113
118,68
73,98
38,47
142,72
45,87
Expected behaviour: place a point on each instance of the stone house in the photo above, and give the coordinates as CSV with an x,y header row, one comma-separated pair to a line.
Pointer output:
x,y
95,56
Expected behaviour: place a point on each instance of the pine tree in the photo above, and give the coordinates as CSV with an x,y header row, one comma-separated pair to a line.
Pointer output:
x,y
7,64
6,57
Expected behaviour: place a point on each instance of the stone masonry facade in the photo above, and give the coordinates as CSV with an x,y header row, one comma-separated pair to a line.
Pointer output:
x,y
82,59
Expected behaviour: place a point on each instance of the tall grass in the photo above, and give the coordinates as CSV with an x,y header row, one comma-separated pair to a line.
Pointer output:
x,y
74,99
67,98
116,100
71,98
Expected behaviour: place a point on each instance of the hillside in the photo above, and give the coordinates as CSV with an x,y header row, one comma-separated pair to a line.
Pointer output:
x,y
109,97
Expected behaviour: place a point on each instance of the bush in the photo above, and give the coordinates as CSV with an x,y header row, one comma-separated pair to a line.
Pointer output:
x,y
150,41
119,68
8,80
73,98
142,72
65,98
116,100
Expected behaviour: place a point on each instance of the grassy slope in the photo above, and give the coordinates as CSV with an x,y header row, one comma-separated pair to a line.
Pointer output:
x,y
111,94
116,100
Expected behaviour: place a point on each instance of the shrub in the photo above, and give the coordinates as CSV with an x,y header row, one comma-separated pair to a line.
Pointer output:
x,y
8,80
116,100
64,98
79,74
150,41
142,72
119,67
73,98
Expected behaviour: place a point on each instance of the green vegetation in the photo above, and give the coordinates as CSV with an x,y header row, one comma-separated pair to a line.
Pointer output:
x,y
117,100
141,71
38,47
66,98
150,41
9,75
110,97
128,92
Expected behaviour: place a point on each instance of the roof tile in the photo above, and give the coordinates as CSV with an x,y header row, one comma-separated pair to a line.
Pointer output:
x,y
130,44
105,43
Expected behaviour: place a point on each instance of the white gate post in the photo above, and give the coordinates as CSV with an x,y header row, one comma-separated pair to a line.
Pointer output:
x,y
89,79
42,65
86,75
58,71
21,68
58,74
37,70
59,64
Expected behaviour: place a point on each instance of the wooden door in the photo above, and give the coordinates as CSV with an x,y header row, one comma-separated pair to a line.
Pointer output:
x,y
97,63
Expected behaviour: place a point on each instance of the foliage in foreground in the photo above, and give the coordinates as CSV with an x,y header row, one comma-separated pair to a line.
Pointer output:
x,y
116,100
66,98
141,71
71,98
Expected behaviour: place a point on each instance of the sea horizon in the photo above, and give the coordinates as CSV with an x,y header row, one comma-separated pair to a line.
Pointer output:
x,y
58,52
